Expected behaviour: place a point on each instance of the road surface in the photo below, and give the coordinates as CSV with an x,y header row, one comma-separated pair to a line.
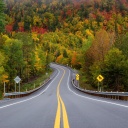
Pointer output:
x,y
59,105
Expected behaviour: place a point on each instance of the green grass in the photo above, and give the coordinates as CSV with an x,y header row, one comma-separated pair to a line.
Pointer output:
x,y
84,83
35,83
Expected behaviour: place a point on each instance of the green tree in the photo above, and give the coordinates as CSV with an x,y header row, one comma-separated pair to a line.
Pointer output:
x,y
49,20
122,43
2,71
28,49
2,16
115,70
2,60
13,49
65,54
15,26
14,55
37,21
27,21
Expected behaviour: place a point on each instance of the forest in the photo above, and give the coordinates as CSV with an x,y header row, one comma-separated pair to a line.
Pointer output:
x,y
88,35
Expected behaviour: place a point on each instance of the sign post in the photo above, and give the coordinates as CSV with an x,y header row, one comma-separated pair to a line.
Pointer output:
x,y
4,87
77,79
100,79
5,80
17,80
15,86
19,86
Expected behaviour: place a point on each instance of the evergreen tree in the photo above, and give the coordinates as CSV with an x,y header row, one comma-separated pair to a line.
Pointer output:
x,y
65,54
2,16
15,26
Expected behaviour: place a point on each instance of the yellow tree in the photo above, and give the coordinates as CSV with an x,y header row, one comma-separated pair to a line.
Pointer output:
x,y
95,55
74,60
4,78
37,61
59,59
40,60
100,46
35,37
2,59
37,21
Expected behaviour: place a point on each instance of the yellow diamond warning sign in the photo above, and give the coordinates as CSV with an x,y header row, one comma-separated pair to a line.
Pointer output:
x,y
100,78
77,76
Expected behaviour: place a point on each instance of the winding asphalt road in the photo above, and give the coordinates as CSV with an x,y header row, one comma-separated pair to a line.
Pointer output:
x,y
59,105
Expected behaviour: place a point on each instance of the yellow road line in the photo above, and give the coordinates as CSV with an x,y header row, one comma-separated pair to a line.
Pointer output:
x,y
65,117
58,113
57,121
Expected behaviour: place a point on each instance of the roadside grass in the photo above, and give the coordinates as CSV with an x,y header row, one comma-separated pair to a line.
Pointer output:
x,y
83,83
86,86
35,83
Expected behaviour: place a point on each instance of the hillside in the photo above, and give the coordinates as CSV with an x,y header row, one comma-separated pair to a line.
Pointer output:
x,y
49,15
88,35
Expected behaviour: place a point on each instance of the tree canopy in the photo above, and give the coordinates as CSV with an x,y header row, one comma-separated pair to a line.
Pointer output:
x,y
2,16
90,36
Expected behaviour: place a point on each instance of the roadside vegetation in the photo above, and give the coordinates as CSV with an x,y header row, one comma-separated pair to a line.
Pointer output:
x,y
35,83
90,36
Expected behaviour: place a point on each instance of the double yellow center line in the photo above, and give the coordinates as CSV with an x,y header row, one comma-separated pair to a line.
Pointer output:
x,y
60,106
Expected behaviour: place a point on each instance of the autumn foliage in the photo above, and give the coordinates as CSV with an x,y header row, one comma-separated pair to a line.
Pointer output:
x,y
80,33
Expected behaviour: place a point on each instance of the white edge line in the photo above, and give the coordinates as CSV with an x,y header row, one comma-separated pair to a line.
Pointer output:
x,y
85,97
33,96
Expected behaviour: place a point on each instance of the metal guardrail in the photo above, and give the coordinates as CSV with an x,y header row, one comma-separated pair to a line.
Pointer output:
x,y
111,95
22,94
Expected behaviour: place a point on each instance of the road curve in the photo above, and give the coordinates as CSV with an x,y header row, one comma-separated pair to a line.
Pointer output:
x,y
60,105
